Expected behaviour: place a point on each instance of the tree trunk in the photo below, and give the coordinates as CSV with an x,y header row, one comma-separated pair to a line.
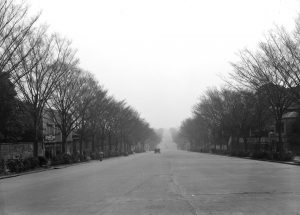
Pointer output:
x,y
64,141
80,146
280,143
36,138
245,144
258,145
102,140
93,143
81,137
35,147
74,147
109,143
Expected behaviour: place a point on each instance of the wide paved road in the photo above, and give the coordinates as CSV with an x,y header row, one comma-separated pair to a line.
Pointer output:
x,y
173,182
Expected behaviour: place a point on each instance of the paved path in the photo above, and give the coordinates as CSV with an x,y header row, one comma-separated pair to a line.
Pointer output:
x,y
173,182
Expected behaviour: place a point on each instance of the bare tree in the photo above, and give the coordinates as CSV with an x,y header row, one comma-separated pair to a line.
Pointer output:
x,y
211,109
255,72
41,70
97,123
189,131
104,120
282,55
84,101
15,26
129,122
62,102
238,116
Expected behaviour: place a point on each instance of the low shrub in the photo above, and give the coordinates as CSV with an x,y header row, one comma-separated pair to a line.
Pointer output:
x,y
11,165
2,166
276,156
220,152
95,156
262,155
240,154
75,158
30,163
289,156
27,164
62,159
15,165
117,154
283,156
42,161
67,159
82,158
56,160
18,165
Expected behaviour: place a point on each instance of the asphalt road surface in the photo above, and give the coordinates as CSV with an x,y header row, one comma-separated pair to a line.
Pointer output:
x,y
173,182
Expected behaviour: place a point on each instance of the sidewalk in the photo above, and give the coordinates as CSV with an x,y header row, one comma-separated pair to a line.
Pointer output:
x,y
295,162
41,169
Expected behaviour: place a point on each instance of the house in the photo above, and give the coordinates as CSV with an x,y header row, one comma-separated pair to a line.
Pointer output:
x,y
52,136
50,143
291,130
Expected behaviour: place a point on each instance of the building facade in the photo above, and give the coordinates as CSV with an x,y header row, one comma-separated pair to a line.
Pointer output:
x,y
52,137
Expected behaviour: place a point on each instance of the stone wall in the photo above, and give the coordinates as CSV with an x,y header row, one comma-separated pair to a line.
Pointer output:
x,y
15,150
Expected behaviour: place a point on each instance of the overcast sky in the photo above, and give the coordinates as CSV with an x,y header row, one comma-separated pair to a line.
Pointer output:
x,y
161,55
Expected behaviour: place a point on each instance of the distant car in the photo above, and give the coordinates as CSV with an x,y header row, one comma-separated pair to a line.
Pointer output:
x,y
157,150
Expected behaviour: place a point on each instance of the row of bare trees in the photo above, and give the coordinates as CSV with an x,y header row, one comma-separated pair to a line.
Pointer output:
x,y
44,70
222,117
263,86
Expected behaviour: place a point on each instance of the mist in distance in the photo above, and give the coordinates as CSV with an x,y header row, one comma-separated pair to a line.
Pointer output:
x,y
161,55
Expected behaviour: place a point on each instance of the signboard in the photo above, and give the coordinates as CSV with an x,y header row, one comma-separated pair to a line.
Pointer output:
x,y
49,137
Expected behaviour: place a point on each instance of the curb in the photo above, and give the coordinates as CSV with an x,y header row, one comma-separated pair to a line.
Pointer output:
x,y
24,173
294,163
274,161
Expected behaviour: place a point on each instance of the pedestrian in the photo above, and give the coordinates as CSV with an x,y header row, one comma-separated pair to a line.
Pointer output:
x,y
101,155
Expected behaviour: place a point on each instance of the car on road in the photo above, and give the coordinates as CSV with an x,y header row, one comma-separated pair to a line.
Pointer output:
x,y
157,150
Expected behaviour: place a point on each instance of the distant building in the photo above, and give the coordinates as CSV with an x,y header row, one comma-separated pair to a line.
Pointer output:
x,y
52,137
50,143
